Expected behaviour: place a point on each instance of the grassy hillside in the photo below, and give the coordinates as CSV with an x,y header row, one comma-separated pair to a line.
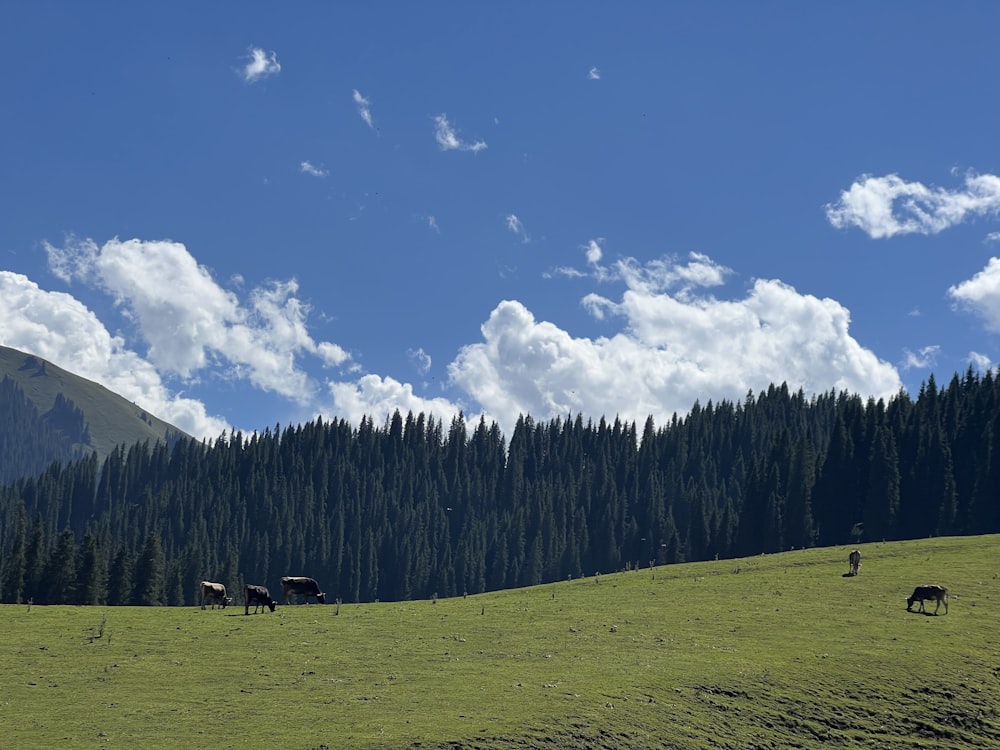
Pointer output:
x,y
774,651
112,419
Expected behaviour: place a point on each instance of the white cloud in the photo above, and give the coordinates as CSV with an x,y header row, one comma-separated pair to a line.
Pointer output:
x,y
448,139
980,362
669,342
887,206
922,359
378,397
674,349
364,108
421,360
261,65
311,169
57,327
514,226
594,74
594,251
993,237
981,295
190,323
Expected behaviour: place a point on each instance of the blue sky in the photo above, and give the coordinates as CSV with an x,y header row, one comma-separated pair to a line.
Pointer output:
x,y
241,214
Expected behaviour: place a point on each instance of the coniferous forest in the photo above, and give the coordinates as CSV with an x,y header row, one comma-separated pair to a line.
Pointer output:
x,y
414,508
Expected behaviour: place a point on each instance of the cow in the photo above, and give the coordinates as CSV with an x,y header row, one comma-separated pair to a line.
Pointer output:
x,y
259,597
304,587
214,592
928,591
855,562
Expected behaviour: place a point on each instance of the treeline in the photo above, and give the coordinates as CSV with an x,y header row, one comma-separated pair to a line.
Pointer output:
x,y
30,441
412,508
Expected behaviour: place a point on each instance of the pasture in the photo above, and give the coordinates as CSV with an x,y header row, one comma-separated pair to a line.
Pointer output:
x,y
774,651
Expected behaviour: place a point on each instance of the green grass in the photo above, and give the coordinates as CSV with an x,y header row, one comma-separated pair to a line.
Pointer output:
x,y
777,651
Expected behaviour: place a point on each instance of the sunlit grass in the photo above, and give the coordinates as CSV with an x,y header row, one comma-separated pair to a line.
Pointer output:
x,y
771,651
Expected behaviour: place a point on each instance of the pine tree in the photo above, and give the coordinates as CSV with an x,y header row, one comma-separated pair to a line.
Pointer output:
x,y
15,563
150,575
91,572
60,572
120,578
35,558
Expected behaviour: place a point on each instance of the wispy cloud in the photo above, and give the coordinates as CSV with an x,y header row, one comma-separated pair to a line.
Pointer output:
x,y
922,359
594,74
261,65
515,226
448,140
311,169
887,206
655,276
980,361
420,359
364,108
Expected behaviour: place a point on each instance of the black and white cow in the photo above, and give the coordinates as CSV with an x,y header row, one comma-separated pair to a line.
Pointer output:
x,y
215,593
855,562
302,586
928,591
259,597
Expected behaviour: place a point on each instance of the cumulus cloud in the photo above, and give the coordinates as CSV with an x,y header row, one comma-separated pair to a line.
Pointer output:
x,y
981,295
57,327
594,74
670,341
448,140
364,108
261,65
190,322
887,206
378,397
311,169
676,346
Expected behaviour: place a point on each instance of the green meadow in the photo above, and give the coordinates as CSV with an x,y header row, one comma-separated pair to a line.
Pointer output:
x,y
776,651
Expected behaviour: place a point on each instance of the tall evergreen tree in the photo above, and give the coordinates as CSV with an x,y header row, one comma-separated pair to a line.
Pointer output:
x,y
15,564
120,578
150,574
91,572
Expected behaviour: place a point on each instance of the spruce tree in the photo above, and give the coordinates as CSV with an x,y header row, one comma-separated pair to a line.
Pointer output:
x,y
15,563
150,575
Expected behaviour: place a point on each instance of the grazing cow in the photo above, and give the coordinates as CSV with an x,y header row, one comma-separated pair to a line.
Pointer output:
x,y
259,597
214,592
304,587
855,562
928,591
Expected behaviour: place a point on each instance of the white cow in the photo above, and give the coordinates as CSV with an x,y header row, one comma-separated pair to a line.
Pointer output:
x,y
215,593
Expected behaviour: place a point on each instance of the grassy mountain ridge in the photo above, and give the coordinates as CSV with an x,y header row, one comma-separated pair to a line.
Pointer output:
x,y
772,651
110,419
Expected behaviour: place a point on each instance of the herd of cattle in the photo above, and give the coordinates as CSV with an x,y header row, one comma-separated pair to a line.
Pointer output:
x,y
259,596
922,593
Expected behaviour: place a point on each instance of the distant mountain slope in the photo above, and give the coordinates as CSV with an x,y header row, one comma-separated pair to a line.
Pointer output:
x,y
71,416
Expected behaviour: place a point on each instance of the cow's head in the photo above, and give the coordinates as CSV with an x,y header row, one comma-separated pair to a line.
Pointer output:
x,y
226,600
272,604
321,598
